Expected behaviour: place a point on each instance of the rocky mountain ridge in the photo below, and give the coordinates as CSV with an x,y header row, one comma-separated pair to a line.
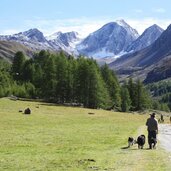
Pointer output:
x,y
107,43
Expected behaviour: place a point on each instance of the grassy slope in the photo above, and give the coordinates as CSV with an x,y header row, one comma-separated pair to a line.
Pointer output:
x,y
64,138
9,48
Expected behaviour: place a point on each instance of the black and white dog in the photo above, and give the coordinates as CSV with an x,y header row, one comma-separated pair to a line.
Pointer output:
x,y
141,141
131,141
153,142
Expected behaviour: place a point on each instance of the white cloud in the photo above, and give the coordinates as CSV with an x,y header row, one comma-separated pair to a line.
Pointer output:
x,y
87,26
84,26
141,25
9,31
159,10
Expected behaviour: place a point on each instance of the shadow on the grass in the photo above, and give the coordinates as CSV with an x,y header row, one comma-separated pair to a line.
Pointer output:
x,y
124,148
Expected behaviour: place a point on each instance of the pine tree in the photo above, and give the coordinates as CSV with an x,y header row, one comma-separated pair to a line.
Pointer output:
x,y
17,66
38,79
133,93
49,79
164,107
71,80
143,100
91,90
2,93
61,78
139,96
156,105
112,85
5,78
28,71
125,99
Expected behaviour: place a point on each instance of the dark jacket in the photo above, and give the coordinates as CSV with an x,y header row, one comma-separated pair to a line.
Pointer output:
x,y
152,124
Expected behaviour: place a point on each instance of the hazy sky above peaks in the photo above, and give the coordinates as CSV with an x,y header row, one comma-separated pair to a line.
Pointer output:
x,y
83,16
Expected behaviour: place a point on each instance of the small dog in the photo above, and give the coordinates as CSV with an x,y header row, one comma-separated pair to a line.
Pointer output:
x,y
153,143
141,141
131,141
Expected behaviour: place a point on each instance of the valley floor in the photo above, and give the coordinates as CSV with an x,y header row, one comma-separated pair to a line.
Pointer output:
x,y
57,138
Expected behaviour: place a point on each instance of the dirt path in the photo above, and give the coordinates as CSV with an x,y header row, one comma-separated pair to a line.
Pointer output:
x,y
165,136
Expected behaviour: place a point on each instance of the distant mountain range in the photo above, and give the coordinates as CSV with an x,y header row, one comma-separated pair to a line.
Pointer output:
x,y
116,43
144,62
107,43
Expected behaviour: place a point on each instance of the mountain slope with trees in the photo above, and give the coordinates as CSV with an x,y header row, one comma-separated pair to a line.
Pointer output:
x,y
62,79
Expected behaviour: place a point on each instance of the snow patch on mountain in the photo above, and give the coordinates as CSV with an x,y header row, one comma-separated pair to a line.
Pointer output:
x,y
101,53
67,41
53,36
110,40
128,28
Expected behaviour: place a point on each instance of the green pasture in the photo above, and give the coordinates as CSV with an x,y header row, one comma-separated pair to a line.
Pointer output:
x,y
74,139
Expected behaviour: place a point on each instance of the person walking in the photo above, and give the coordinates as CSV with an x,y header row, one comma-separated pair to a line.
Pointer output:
x,y
162,119
152,127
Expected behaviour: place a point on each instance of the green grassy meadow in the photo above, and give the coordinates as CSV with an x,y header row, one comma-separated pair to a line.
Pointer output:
x,y
65,138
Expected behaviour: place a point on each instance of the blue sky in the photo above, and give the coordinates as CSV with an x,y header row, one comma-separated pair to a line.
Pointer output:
x,y
82,16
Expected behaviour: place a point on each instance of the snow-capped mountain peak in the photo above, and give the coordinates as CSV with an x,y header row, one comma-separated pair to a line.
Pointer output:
x,y
121,22
54,36
109,40
154,28
67,41
127,27
59,35
35,35
147,38
32,38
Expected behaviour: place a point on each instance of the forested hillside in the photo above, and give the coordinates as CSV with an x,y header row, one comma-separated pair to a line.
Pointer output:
x,y
161,93
63,79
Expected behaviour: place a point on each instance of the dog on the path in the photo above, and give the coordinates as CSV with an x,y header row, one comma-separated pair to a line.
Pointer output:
x,y
153,143
131,141
141,141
